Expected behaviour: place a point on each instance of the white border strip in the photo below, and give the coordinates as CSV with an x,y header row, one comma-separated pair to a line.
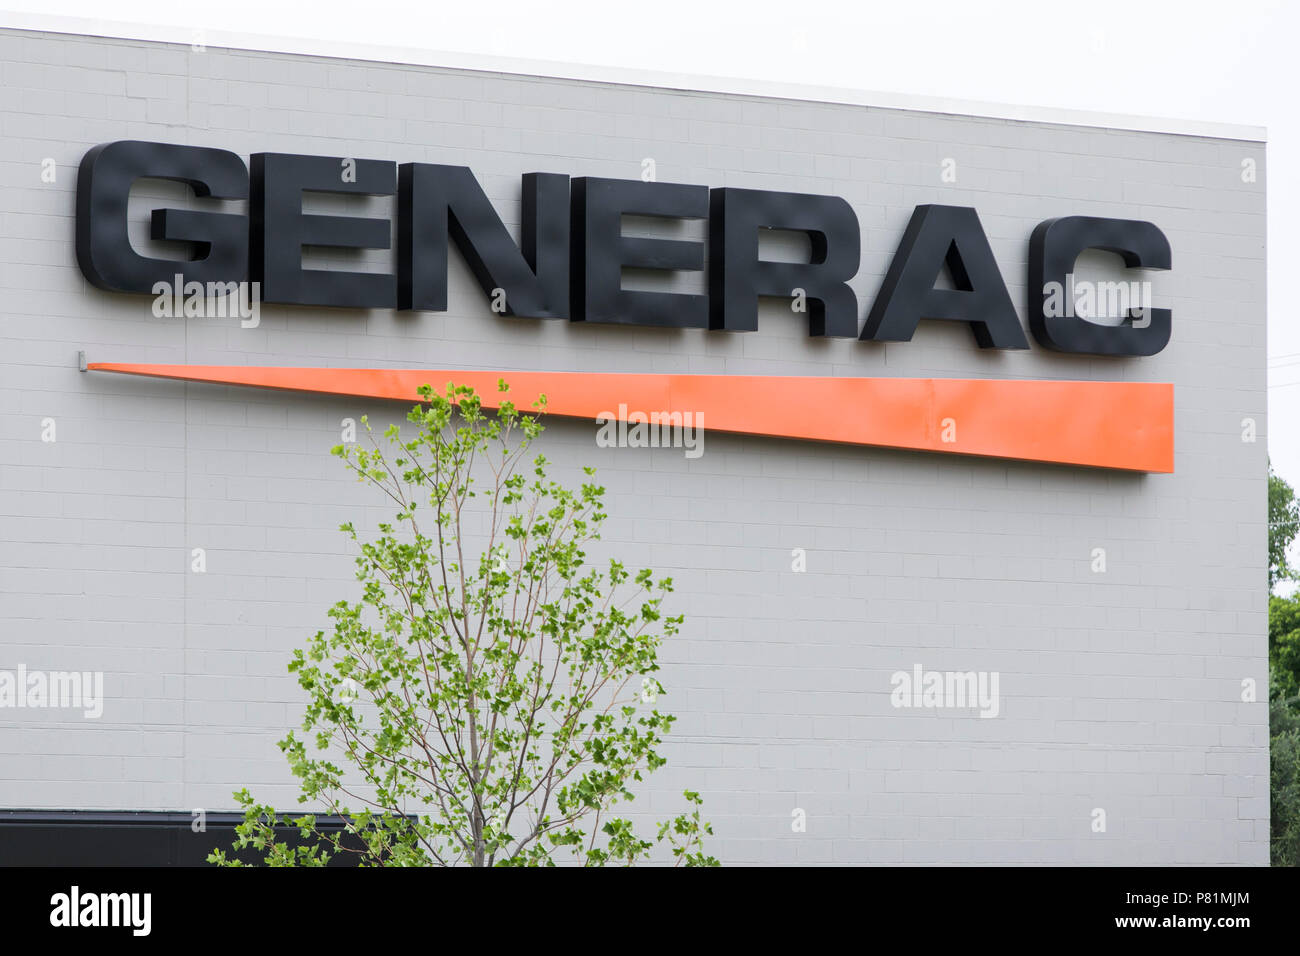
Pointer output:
x,y
49,23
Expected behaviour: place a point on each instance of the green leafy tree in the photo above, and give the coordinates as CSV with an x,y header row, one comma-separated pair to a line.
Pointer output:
x,y
1284,782
1284,647
489,700
1283,523
1284,678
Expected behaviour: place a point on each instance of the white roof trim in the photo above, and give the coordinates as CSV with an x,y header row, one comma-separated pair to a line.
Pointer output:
x,y
49,23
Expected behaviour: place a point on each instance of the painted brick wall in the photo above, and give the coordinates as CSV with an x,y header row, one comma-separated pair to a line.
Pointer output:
x,y
1120,691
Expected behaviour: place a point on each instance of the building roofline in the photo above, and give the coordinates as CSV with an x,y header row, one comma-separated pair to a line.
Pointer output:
x,y
160,33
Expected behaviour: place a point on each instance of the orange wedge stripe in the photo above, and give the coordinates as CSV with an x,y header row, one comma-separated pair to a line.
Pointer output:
x,y
1126,425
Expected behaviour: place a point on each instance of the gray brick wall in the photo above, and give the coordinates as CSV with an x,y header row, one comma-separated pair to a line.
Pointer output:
x,y
1120,691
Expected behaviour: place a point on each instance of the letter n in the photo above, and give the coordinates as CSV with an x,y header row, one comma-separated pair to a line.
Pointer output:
x,y
442,203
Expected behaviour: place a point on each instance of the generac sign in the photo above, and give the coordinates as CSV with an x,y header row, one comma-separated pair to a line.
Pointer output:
x,y
568,264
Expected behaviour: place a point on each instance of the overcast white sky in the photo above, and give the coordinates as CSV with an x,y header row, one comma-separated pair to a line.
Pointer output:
x,y
1219,61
